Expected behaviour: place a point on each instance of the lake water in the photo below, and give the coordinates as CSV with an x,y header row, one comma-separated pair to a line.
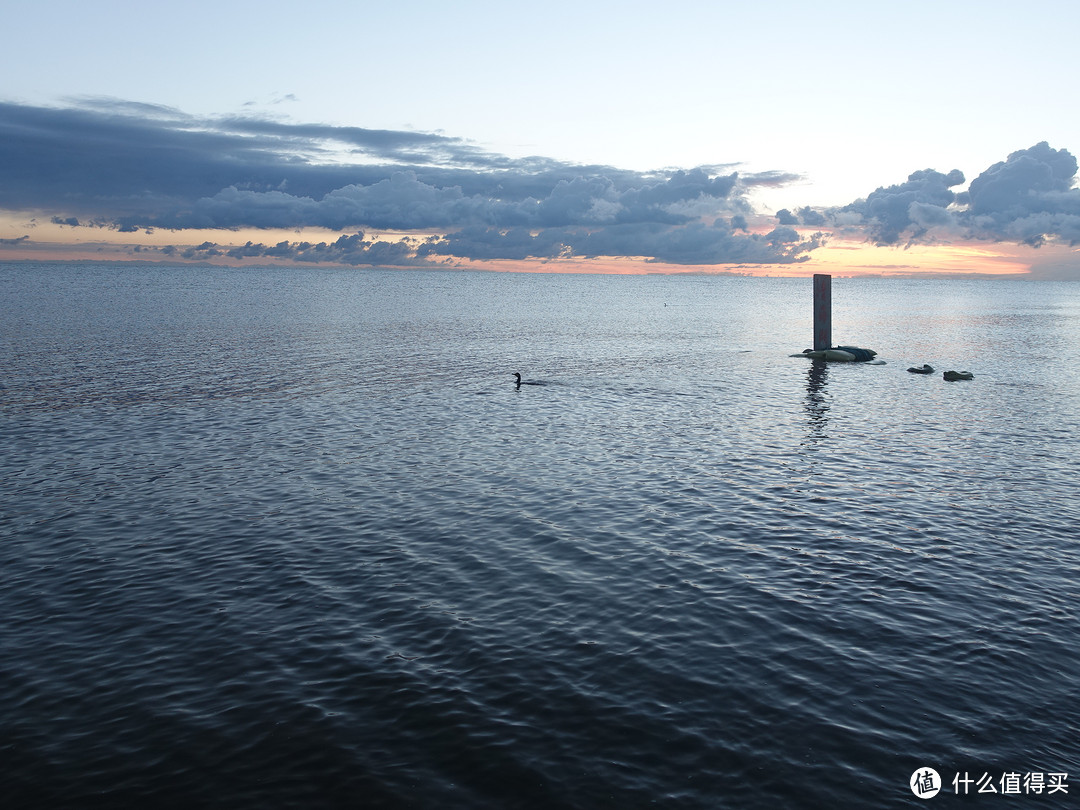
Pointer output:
x,y
294,538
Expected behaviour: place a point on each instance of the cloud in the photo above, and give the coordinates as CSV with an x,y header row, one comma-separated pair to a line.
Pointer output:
x,y
404,201
107,163
112,159
806,215
696,243
928,215
351,249
815,219
1029,198
1011,186
130,166
888,211
401,201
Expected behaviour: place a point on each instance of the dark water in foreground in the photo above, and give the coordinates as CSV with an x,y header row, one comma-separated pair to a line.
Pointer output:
x,y
293,538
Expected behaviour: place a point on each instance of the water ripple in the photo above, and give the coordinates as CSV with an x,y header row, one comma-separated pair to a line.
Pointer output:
x,y
311,547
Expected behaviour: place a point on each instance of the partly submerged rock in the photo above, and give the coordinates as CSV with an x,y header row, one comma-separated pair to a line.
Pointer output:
x,y
838,355
861,355
952,376
842,354
925,368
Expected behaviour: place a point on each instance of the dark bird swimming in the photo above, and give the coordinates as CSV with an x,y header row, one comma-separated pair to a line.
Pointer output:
x,y
520,382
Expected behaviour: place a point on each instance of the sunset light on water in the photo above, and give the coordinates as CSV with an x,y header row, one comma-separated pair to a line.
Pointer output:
x,y
428,405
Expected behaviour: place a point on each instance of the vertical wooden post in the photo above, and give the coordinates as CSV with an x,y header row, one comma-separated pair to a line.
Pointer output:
x,y
822,311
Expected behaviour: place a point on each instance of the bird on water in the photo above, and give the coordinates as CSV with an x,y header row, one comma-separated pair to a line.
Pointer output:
x,y
520,382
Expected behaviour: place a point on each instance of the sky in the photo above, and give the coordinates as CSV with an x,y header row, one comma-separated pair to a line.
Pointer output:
x,y
776,138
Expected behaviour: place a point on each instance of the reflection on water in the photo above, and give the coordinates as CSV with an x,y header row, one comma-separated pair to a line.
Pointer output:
x,y
816,404
295,538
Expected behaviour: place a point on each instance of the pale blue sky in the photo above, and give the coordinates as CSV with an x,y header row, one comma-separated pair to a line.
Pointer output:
x,y
852,95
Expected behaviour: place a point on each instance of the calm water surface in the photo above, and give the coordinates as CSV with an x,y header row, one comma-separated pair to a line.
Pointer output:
x,y
293,538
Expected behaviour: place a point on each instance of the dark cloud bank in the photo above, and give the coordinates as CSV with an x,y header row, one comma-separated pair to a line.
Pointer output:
x,y
131,167
1028,198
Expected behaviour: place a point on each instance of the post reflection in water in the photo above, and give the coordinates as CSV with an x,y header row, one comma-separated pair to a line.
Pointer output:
x,y
289,538
817,406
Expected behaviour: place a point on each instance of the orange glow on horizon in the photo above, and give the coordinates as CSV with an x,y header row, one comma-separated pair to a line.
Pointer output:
x,y
848,258
36,240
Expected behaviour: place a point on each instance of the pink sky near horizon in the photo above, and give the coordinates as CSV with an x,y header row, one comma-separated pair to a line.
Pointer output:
x,y
839,256
133,116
